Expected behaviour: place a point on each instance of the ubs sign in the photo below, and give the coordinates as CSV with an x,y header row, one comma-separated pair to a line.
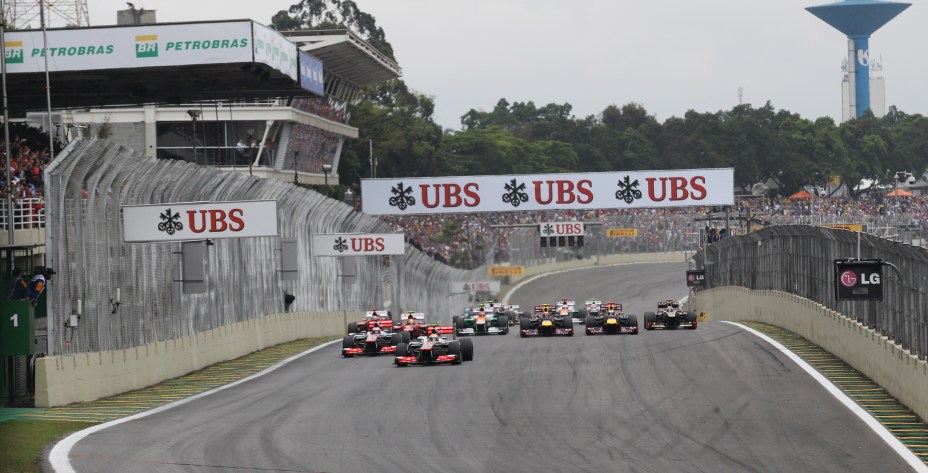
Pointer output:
x,y
859,280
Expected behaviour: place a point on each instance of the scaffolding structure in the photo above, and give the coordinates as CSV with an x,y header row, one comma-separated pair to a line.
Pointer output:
x,y
26,14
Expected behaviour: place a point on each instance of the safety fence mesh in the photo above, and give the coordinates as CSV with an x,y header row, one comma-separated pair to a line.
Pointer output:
x,y
91,179
799,259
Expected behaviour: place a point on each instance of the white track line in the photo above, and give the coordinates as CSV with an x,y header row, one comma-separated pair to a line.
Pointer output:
x,y
907,455
59,456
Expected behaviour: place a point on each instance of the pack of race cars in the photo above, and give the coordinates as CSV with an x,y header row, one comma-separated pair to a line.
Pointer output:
x,y
410,340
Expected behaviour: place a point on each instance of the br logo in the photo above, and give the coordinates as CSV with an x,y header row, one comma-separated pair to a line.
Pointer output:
x,y
146,46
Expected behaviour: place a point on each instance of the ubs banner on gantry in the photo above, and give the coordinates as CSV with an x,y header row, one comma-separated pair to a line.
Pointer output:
x,y
580,191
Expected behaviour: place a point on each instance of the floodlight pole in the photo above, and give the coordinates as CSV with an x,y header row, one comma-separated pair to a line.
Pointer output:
x,y
6,129
48,84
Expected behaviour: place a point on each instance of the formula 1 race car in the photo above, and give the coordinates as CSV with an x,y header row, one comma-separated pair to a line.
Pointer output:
x,y
413,323
438,347
545,321
515,313
380,318
592,307
669,315
571,309
611,321
376,341
481,321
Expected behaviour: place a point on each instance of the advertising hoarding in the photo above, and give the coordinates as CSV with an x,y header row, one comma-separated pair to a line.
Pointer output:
x,y
491,287
311,75
858,280
551,229
83,49
621,232
271,48
580,191
358,244
506,270
198,221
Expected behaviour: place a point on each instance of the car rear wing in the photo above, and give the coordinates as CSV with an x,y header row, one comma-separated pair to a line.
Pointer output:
x,y
589,303
663,305
442,329
513,307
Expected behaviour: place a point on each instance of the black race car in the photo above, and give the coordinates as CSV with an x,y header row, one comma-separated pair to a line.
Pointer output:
x,y
611,320
545,321
438,347
669,315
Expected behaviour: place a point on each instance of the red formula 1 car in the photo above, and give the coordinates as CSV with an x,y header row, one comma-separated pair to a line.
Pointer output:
x,y
380,318
545,321
414,324
438,347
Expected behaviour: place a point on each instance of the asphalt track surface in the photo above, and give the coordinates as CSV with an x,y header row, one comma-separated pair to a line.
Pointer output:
x,y
715,399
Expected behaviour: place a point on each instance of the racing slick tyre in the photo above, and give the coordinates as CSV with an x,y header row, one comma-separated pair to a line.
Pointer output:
x,y
401,350
454,348
569,323
590,322
649,320
396,339
502,322
455,320
467,349
352,327
633,321
347,342
691,318
406,336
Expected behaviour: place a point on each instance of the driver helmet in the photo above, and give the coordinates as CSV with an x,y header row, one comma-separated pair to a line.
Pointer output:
x,y
376,329
433,335
410,319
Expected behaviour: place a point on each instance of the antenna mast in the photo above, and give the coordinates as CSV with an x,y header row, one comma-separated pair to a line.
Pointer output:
x,y
25,14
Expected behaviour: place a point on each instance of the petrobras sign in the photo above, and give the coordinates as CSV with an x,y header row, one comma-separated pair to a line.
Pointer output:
x,y
581,191
81,49
549,229
198,221
311,77
358,244
271,48
490,287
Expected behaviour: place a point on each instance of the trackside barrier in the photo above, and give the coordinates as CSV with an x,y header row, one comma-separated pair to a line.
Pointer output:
x,y
85,376
86,185
875,355
622,258
799,259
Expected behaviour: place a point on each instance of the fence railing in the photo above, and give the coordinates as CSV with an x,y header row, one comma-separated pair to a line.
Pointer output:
x,y
27,214
800,260
243,276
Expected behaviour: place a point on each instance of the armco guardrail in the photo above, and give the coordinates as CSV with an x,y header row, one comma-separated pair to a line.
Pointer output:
x,y
89,181
799,259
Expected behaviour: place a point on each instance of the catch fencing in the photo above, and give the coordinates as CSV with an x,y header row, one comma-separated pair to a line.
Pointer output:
x,y
800,260
91,179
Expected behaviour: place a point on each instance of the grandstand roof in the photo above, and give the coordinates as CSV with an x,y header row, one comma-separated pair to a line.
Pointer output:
x,y
346,55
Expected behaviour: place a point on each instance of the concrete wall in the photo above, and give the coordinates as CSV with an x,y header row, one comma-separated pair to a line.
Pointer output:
x,y
885,362
63,380
623,258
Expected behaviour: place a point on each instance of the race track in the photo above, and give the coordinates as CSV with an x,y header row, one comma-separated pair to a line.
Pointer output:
x,y
716,399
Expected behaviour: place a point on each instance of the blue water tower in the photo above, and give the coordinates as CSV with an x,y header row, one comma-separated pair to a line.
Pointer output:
x,y
858,19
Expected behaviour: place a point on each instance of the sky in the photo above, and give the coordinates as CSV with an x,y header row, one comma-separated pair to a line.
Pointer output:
x,y
670,56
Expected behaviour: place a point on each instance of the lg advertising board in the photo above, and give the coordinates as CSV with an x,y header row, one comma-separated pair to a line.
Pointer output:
x,y
859,280
198,221
695,278
580,191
